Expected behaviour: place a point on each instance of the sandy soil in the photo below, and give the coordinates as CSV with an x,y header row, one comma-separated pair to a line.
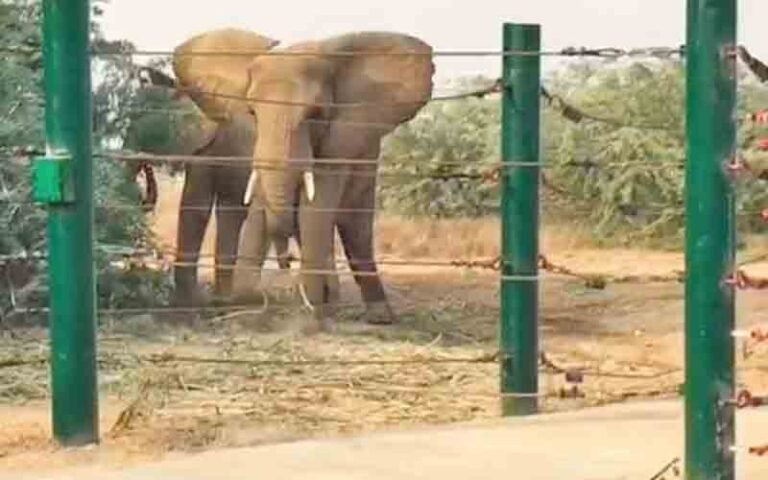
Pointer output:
x,y
625,341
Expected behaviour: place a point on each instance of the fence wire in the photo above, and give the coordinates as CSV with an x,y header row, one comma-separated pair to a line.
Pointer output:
x,y
567,110
664,53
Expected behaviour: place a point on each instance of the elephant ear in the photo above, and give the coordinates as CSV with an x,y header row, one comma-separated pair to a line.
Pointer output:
x,y
400,85
225,74
194,129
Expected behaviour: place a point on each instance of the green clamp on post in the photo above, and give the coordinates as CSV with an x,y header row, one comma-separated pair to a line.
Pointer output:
x,y
53,180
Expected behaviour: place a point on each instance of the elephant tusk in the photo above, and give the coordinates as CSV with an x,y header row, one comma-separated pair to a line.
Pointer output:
x,y
250,188
309,184
304,297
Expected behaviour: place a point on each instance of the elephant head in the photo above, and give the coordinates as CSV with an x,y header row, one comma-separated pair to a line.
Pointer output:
x,y
308,103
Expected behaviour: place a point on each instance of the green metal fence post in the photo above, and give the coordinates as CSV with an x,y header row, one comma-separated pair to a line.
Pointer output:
x,y
520,219
63,180
709,312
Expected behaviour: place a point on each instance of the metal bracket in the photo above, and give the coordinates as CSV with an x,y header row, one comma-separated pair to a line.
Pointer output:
x,y
52,179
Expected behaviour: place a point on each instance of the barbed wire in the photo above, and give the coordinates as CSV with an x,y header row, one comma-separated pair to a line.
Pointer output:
x,y
171,358
279,164
603,52
673,468
567,109
495,264
750,340
576,115
594,280
573,375
742,281
758,68
487,172
312,121
759,118
758,450
479,93
18,202
745,399
599,281
739,166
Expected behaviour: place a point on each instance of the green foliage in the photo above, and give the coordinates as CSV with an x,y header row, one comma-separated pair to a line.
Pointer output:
x,y
119,219
157,125
634,188
444,139
623,177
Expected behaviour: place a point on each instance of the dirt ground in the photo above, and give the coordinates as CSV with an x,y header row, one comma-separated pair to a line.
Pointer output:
x,y
211,381
575,445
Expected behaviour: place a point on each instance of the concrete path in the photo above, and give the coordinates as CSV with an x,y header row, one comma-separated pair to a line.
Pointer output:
x,y
624,442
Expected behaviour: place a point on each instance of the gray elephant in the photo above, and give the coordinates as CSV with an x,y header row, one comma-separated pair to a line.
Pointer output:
x,y
211,185
335,104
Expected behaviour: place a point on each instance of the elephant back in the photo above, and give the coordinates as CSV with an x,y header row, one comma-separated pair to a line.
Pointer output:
x,y
396,84
204,76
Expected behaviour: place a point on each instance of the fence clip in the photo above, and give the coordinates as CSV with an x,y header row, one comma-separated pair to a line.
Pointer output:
x,y
53,181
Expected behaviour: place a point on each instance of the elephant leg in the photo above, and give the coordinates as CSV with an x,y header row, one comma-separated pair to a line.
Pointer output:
x,y
356,232
317,219
283,255
194,213
252,250
231,183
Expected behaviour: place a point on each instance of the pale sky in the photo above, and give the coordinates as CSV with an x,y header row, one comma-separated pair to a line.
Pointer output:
x,y
445,24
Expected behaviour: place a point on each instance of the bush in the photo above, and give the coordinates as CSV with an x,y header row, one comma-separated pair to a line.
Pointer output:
x,y
444,139
623,177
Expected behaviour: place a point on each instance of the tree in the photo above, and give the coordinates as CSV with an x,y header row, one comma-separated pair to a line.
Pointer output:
x,y
119,218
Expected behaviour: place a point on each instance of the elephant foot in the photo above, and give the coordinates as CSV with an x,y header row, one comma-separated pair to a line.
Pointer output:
x,y
322,320
379,314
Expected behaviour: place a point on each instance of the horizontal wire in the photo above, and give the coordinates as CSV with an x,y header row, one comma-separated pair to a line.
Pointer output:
x,y
273,164
485,358
757,450
314,121
268,163
170,358
490,263
121,359
496,88
606,52
576,114
172,310
748,213
325,271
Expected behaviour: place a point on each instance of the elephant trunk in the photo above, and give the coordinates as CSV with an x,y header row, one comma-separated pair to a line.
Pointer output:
x,y
281,154
280,187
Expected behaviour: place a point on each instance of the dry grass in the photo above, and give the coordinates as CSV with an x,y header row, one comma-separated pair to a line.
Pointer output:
x,y
461,238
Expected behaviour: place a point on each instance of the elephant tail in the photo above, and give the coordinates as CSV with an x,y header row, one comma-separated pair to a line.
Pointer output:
x,y
150,195
152,77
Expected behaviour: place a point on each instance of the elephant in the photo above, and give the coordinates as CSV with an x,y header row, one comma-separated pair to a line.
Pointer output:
x,y
332,100
211,184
